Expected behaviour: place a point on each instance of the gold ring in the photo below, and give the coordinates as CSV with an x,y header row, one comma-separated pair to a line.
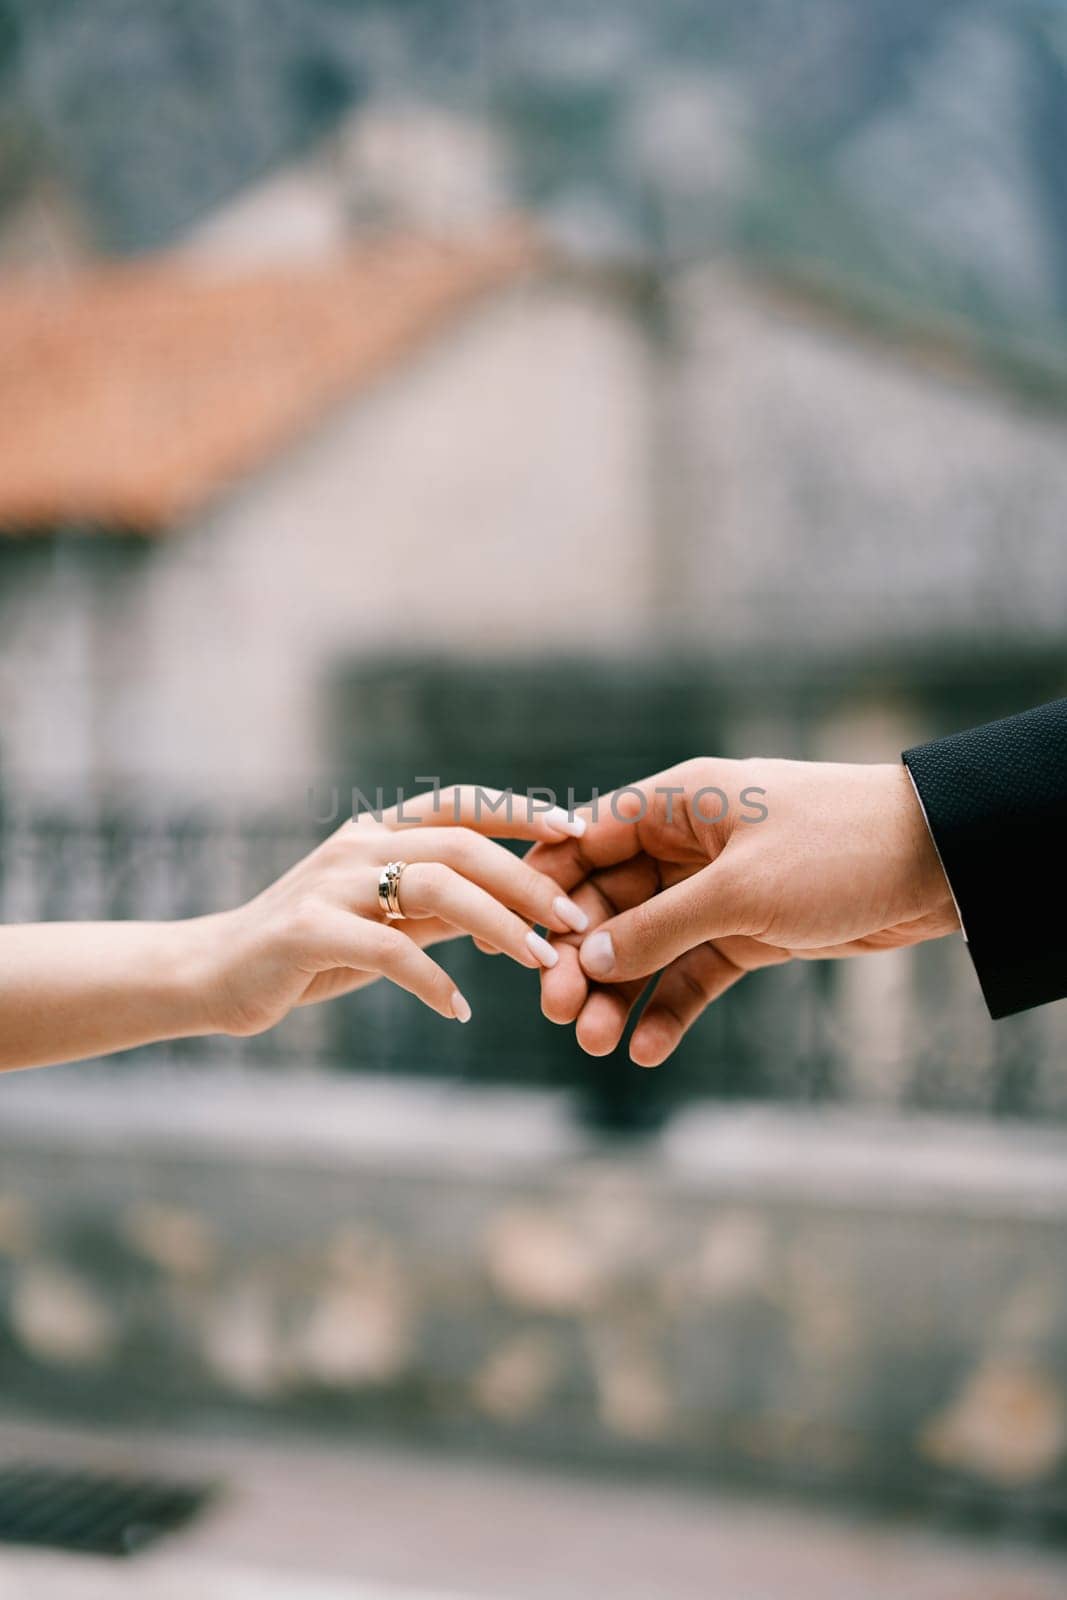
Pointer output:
x,y
389,890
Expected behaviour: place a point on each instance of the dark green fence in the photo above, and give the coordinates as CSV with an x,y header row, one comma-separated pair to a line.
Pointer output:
x,y
907,1030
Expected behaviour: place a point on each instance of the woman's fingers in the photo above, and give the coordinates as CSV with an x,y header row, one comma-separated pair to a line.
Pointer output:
x,y
430,889
497,813
353,941
564,987
503,875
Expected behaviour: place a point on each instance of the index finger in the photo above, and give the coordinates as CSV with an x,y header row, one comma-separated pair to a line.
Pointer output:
x,y
607,839
496,813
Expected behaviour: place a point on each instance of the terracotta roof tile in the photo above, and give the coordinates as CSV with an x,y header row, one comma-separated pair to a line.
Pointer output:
x,y
133,394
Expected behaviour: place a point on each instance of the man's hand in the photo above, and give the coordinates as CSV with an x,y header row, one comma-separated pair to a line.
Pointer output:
x,y
714,868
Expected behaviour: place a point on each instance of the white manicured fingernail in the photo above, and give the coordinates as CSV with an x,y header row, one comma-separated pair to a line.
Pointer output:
x,y
598,955
561,822
460,1009
541,949
568,912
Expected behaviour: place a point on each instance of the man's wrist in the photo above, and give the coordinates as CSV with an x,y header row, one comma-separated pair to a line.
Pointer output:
x,y
934,888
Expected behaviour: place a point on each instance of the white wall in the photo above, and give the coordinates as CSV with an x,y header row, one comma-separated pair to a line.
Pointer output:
x,y
493,497
489,498
855,492
53,643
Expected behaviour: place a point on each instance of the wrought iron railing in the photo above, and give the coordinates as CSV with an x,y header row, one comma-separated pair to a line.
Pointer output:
x,y
905,1030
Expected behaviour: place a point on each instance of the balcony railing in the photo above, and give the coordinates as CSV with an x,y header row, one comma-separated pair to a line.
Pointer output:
x,y
905,1030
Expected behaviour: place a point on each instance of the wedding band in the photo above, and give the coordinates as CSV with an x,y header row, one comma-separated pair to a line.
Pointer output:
x,y
389,890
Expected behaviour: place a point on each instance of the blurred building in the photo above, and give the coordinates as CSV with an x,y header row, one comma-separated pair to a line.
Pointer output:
x,y
243,478
370,511
216,487
749,437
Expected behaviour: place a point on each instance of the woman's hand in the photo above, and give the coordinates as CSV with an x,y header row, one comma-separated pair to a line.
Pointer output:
x,y
71,990
320,932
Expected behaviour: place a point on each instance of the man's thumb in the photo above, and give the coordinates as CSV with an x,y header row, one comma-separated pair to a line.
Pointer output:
x,y
642,941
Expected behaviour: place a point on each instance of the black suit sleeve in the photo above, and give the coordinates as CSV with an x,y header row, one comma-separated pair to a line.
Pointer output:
x,y
996,803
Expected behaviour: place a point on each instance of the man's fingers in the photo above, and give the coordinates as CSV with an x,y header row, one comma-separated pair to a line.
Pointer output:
x,y
683,992
565,989
601,1013
708,905
605,1015
689,986
564,862
611,835
602,1022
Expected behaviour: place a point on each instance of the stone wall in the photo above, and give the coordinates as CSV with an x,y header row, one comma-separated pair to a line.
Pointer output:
x,y
798,1299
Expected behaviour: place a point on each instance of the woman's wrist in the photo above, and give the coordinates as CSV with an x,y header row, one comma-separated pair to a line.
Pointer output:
x,y
74,990
184,973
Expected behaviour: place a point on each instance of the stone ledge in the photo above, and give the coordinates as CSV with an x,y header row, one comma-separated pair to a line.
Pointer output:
x,y
391,1524
827,1154
810,1298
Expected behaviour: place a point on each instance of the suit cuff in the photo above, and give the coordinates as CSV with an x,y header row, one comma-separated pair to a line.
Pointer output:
x,y
937,848
995,801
